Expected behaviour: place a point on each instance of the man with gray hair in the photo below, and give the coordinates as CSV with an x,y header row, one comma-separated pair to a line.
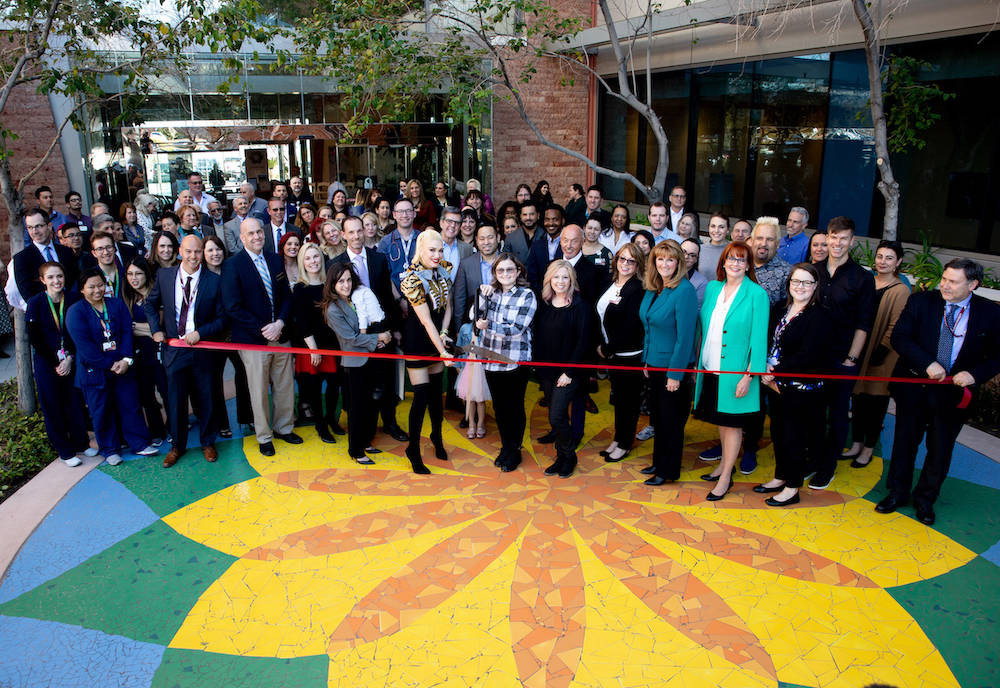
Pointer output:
x,y
794,246
256,207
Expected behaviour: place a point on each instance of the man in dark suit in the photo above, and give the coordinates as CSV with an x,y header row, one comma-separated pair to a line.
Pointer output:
x,y
42,249
373,270
474,271
595,198
678,207
547,248
950,332
258,303
124,251
190,300
297,195
277,227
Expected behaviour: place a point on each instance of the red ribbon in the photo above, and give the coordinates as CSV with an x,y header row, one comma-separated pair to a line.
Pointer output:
x,y
228,346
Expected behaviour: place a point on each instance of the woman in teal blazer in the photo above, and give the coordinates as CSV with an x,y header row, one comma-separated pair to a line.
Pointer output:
x,y
669,315
734,319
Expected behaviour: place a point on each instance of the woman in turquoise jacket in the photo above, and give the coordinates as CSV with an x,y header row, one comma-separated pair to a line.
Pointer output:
x,y
734,319
669,315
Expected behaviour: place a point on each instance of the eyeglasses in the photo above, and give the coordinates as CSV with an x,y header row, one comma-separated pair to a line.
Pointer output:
x,y
103,249
451,222
506,271
274,210
802,283
41,226
736,260
403,212
626,261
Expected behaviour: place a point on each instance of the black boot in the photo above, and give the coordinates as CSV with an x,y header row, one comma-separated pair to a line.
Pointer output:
x,y
436,411
324,432
417,408
568,465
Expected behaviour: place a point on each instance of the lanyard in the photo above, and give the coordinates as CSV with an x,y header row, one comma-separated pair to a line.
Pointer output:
x,y
105,321
952,328
59,319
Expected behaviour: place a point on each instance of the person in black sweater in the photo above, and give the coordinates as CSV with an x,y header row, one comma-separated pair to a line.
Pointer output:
x,y
312,331
562,330
621,344
800,342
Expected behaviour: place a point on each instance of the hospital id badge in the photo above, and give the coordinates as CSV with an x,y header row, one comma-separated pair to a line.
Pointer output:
x,y
109,346
61,355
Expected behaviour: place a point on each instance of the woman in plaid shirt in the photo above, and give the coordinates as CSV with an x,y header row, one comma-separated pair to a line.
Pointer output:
x,y
506,326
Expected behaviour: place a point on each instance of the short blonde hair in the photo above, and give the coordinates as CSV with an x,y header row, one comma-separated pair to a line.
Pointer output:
x,y
550,272
301,260
671,249
767,221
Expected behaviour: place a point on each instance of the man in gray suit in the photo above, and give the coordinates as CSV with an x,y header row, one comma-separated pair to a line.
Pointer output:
x,y
231,229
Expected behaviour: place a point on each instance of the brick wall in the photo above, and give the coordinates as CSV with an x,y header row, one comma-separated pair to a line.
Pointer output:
x,y
561,112
29,115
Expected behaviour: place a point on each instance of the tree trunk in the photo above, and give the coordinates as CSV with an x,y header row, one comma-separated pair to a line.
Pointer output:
x,y
14,201
887,184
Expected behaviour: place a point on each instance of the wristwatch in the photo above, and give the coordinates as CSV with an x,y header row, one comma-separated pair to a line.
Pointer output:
x,y
128,361
852,359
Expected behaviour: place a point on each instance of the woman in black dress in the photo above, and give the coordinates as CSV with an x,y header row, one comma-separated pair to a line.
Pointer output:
x,y
311,330
562,333
426,285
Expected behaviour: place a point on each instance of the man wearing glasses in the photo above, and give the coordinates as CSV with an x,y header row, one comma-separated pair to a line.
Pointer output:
x,y
42,249
277,227
399,246
197,186
102,245
678,206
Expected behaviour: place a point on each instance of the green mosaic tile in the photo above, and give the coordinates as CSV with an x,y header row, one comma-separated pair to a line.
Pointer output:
x,y
196,669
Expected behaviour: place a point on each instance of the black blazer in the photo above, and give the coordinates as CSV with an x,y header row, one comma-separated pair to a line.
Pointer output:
x,y
805,342
29,259
593,282
269,246
915,338
127,251
379,277
245,299
538,261
621,320
209,315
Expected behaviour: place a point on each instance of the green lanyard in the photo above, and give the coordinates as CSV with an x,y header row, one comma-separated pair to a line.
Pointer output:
x,y
105,321
58,318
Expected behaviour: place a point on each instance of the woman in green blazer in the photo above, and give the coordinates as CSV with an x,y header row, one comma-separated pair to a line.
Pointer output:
x,y
734,319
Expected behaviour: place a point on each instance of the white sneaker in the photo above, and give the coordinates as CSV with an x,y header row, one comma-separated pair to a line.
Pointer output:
x,y
72,462
113,459
90,451
148,451
156,442
645,433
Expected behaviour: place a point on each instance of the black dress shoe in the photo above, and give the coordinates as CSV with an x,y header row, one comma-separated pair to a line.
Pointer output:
x,y
858,464
794,499
336,429
715,478
712,497
464,423
324,433
890,504
372,450
760,489
649,470
657,480
616,459
547,438
266,448
396,433
289,437
926,516
553,469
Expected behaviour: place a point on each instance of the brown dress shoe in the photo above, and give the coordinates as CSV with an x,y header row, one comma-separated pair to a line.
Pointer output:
x,y
211,454
171,457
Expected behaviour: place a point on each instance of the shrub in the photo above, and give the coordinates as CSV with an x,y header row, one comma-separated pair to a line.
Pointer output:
x,y
986,416
24,446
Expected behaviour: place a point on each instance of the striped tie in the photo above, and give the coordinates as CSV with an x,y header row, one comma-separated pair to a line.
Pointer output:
x,y
265,277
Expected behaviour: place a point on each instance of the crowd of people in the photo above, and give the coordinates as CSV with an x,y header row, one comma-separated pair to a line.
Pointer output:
x,y
751,320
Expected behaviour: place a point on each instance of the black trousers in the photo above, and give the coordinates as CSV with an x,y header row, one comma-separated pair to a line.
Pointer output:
x,y
244,412
754,430
798,433
838,406
507,390
63,410
923,411
383,374
362,416
186,378
151,378
867,417
626,385
669,414
560,399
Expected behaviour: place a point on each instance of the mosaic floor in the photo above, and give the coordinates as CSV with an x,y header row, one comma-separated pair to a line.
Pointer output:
x,y
305,569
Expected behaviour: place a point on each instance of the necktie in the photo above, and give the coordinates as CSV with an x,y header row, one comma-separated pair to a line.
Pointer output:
x,y
359,266
265,277
946,340
49,256
185,305
278,233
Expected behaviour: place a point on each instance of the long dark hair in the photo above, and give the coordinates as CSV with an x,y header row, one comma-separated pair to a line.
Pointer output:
x,y
333,275
129,295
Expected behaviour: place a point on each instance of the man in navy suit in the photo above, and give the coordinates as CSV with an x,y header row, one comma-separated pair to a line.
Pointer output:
x,y
190,300
277,226
373,270
258,303
949,332
546,248
41,249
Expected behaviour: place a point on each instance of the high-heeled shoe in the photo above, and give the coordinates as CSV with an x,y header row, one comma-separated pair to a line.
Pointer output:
x,y
605,452
439,451
712,497
413,454
715,478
